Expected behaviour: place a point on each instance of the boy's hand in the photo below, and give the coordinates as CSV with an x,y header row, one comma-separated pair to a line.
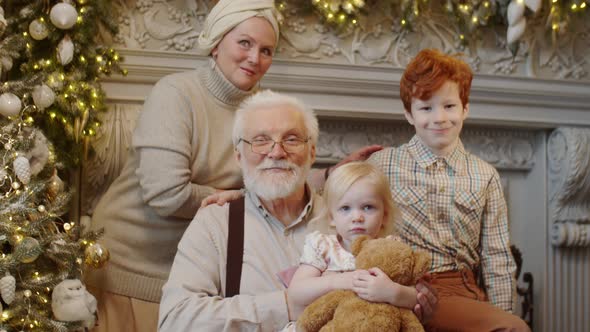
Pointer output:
x,y
427,300
222,196
373,285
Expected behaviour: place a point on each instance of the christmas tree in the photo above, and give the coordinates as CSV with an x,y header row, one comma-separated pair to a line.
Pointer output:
x,y
50,59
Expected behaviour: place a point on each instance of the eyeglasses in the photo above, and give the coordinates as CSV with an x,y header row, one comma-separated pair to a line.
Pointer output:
x,y
265,146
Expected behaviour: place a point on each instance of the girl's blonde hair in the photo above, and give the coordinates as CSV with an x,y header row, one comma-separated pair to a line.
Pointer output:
x,y
340,181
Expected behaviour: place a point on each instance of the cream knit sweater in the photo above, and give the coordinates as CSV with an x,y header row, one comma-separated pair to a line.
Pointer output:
x,y
181,153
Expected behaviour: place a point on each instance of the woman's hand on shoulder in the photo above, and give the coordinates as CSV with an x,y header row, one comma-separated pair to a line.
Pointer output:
x,y
222,196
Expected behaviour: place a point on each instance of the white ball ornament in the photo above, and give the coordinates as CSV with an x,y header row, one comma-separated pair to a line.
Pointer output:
x,y
38,30
65,50
63,15
10,104
43,96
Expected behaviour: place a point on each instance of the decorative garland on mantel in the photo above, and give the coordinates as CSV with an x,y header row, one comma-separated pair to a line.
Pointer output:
x,y
468,16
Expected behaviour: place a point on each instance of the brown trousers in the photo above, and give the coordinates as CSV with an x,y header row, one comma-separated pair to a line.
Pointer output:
x,y
118,313
463,307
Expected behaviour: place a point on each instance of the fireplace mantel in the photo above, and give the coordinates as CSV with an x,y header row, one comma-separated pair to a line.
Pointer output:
x,y
362,92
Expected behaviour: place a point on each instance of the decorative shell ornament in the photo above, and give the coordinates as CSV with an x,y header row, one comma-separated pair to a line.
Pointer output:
x,y
63,15
7,288
70,301
43,96
22,169
10,104
65,50
38,30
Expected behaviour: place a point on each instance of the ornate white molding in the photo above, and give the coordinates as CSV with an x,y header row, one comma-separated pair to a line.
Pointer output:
x,y
373,92
504,149
378,42
569,185
570,235
110,146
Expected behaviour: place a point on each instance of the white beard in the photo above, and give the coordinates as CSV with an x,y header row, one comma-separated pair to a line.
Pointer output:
x,y
268,185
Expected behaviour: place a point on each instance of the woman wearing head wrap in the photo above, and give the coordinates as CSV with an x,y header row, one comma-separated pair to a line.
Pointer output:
x,y
181,153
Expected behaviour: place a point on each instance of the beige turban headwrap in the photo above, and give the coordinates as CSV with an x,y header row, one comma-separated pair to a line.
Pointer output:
x,y
226,14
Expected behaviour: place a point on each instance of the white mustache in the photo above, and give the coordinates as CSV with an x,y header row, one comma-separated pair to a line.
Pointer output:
x,y
283,164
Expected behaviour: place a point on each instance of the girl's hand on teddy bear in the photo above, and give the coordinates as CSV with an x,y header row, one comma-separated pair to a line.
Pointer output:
x,y
373,285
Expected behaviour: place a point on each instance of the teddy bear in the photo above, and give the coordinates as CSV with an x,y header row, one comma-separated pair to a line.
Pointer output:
x,y
343,310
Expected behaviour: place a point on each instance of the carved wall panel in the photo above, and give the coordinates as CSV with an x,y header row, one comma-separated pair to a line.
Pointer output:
x,y
174,25
568,261
111,143
569,186
505,149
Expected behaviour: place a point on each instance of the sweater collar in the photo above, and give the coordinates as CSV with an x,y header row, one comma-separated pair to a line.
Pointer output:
x,y
221,87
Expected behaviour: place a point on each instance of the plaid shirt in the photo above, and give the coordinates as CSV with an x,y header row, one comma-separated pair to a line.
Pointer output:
x,y
454,208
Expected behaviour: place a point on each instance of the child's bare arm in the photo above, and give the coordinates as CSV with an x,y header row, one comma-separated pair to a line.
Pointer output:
x,y
308,284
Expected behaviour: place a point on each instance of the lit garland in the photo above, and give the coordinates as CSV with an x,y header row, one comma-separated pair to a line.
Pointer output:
x,y
467,15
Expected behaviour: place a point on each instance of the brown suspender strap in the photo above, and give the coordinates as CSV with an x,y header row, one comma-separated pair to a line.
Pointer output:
x,y
235,247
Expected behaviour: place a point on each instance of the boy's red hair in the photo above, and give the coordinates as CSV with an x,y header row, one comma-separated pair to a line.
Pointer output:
x,y
428,71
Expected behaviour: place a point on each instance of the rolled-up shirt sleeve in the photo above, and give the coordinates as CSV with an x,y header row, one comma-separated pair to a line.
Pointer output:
x,y
193,297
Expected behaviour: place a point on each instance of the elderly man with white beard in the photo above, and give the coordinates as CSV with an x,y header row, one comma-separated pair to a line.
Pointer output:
x,y
275,139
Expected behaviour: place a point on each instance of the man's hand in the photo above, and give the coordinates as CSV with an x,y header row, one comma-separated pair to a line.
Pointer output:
x,y
427,300
361,154
222,196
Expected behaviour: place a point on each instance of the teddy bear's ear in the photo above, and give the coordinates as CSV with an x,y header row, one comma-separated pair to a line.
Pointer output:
x,y
421,264
358,244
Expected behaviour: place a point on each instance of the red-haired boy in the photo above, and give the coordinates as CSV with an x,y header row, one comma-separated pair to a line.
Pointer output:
x,y
451,202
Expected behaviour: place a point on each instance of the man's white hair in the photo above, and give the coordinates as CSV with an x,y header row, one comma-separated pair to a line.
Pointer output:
x,y
267,99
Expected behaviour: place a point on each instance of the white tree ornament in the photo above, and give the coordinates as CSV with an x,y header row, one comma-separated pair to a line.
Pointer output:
x,y
38,30
7,288
10,104
65,50
71,302
22,168
43,96
63,15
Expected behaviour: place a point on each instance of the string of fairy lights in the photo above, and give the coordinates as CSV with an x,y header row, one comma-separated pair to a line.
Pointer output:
x,y
467,15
